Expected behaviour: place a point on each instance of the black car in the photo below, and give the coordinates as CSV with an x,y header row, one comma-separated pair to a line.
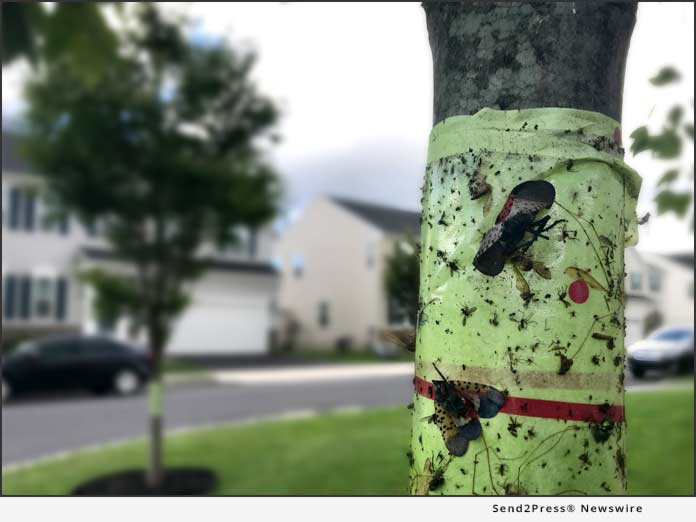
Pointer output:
x,y
98,364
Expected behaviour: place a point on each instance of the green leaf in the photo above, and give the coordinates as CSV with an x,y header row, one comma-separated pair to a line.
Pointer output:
x,y
675,115
666,145
665,76
668,177
641,140
78,33
670,201
20,23
689,130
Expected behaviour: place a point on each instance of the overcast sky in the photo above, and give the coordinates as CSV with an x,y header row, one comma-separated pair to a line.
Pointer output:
x,y
354,82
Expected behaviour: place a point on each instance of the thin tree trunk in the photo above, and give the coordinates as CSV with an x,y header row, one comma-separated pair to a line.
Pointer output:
x,y
519,375
155,474
155,471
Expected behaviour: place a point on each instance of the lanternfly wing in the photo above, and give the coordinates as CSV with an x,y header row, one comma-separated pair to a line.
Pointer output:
x,y
538,191
455,443
457,431
490,259
525,200
405,340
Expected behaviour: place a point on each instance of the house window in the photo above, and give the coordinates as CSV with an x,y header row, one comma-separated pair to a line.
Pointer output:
x,y
44,296
9,302
636,280
371,255
41,298
324,319
654,280
253,243
24,305
22,210
298,265
61,298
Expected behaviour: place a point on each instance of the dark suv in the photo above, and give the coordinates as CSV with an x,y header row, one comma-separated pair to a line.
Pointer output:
x,y
98,364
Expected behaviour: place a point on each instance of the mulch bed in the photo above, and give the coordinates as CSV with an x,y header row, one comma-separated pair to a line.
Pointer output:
x,y
177,481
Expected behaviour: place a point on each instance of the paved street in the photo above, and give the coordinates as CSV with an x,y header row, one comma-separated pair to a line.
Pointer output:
x,y
37,427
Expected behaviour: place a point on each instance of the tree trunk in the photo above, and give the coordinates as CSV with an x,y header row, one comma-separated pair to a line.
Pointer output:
x,y
526,55
155,474
519,367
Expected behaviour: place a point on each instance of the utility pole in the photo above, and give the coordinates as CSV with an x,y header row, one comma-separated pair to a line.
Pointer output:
x,y
527,208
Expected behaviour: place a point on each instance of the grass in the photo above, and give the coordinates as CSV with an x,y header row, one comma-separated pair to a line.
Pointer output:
x,y
359,454
180,366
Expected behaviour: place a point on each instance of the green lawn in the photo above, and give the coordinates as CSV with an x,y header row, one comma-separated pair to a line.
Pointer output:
x,y
360,453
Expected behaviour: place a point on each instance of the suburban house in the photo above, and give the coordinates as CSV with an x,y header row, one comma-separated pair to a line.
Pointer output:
x,y
332,262
231,309
659,292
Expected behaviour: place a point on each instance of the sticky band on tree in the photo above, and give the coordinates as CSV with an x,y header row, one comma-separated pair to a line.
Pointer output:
x,y
155,398
520,354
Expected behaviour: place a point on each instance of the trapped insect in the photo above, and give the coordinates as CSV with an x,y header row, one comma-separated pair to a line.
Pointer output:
x,y
516,219
458,407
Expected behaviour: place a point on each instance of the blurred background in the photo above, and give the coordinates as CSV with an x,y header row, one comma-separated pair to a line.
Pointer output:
x,y
312,122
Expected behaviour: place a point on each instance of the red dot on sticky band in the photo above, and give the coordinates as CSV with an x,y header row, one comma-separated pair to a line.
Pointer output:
x,y
578,291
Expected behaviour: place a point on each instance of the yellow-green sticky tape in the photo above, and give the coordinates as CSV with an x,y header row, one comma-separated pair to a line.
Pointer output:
x,y
550,326
155,398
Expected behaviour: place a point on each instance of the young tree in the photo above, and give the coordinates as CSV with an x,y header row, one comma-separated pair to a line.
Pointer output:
x,y
163,148
401,277
76,32
526,210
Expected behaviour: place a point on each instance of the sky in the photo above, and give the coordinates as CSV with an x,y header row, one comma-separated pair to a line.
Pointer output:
x,y
354,84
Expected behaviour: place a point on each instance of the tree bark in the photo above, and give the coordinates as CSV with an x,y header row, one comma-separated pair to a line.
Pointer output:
x,y
155,474
529,54
519,376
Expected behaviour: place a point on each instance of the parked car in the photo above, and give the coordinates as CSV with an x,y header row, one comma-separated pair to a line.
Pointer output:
x,y
98,364
670,348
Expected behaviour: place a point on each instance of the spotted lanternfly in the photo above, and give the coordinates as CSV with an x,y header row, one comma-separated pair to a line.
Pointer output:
x,y
458,407
517,218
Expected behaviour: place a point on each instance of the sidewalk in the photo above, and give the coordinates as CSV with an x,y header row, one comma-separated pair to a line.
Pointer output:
x,y
313,373
342,371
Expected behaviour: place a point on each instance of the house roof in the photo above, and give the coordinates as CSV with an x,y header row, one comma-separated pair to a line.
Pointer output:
x,y
686,259
225,265
389,219
12,161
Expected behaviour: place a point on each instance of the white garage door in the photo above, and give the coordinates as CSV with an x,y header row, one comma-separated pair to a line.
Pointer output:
x,y
222,327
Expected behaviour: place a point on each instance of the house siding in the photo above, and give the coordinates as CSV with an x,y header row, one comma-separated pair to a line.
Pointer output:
x,y
333,245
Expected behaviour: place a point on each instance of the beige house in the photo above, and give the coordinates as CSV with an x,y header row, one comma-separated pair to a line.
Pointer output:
x,y
332,262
